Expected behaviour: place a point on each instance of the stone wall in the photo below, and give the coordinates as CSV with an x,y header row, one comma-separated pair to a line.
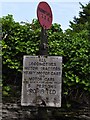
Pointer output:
x,y
14,111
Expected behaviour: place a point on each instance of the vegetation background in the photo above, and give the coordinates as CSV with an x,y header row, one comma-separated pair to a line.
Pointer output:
x,y
74,45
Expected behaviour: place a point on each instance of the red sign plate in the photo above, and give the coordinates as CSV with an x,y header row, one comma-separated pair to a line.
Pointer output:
x,y
44,15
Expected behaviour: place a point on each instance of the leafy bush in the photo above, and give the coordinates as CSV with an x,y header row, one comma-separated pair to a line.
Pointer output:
x,y
73,45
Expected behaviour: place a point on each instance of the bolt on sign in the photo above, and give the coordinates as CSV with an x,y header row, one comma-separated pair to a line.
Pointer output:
x,y
41,81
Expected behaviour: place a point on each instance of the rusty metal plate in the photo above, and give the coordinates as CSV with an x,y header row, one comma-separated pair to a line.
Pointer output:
x,y
41,81
44,15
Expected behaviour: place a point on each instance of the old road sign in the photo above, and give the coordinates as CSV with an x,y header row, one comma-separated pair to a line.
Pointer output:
x,y
44,15
41,83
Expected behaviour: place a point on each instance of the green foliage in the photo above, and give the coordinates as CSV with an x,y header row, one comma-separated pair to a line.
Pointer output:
x,y
18,40
73,45
81,34
83,21
6,90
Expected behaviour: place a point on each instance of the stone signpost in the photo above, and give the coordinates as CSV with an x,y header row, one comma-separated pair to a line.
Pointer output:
x,y
42,74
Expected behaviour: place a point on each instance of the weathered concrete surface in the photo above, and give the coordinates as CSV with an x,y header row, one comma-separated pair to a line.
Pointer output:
x,y
13,111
